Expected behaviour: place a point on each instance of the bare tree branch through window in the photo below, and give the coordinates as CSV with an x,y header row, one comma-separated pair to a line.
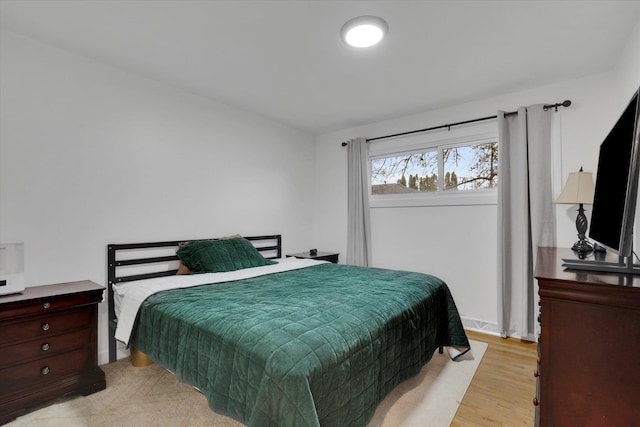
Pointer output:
x,y
464,168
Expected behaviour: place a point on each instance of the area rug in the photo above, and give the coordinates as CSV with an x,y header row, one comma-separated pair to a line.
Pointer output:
x,y
151,396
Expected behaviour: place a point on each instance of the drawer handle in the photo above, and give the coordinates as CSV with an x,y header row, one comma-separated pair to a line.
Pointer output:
x,y
536,401
46,305
45,370
45,346
45,327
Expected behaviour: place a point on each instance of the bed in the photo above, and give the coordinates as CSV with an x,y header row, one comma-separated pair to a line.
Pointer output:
x,y
287,343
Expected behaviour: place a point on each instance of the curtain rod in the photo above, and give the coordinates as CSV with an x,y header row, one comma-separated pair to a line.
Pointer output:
x,y
448,126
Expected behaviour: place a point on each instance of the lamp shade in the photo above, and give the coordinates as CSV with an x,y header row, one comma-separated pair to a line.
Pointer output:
x,y
579,189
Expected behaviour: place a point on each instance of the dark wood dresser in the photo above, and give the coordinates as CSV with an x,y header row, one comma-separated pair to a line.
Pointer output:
x,y
48,345
589,348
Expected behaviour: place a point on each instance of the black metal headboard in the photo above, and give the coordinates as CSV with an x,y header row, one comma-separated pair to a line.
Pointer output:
x,y
149,259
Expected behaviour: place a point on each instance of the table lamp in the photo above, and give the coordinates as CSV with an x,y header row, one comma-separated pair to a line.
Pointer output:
x,y
579,190
11,268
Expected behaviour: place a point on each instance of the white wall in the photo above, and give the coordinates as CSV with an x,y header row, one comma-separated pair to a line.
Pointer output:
x,y
627,74
458,243
627,77
90,155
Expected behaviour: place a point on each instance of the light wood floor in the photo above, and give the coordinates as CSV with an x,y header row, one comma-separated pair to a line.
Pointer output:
x,y
503,388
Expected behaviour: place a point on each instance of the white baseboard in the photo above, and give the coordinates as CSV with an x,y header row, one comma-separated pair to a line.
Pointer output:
x,y
103,357
477,325
121,353
491,328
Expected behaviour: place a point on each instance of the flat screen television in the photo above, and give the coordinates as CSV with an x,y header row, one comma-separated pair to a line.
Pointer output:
x,y
616,191
614,202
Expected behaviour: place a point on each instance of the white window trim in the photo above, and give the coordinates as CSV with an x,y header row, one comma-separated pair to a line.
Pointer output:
x,y
488,196
486,132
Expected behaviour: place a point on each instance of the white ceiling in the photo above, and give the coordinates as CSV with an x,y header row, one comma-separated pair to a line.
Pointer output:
x,y
284,60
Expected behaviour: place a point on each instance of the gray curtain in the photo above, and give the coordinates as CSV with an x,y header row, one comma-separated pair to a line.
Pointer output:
x,y
525,214
359,224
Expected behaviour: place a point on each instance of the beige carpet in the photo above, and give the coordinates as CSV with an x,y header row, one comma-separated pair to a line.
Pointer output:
x,y
152,396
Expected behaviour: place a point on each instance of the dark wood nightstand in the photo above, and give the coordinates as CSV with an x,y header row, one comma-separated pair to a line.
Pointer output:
x,y
48,345
320,256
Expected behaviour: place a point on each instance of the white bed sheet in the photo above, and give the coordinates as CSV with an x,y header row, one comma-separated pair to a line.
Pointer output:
x,y
129,296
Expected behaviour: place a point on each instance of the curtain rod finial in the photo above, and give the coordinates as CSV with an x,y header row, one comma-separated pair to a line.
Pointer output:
x,y
555,106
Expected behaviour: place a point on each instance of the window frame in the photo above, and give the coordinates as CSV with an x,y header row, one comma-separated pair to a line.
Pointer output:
x,y
467,136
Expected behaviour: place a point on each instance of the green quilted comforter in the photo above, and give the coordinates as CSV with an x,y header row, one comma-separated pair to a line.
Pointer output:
x,y
318,346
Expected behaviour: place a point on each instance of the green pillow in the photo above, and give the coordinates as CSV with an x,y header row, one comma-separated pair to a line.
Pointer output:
x,y
215,256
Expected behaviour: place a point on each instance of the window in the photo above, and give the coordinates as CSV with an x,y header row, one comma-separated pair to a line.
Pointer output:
x,y
454,171
389,174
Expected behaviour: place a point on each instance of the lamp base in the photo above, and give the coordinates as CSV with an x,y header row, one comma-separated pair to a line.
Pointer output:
x,y
582,246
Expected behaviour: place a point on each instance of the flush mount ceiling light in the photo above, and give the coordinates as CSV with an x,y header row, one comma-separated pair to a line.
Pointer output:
x,y
364,31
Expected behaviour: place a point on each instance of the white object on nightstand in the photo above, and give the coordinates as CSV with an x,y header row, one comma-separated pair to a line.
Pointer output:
x,y
11,268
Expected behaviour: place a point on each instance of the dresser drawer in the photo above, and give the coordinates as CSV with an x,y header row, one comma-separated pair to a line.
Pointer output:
x,y
44,326
48,304
42,371
45,347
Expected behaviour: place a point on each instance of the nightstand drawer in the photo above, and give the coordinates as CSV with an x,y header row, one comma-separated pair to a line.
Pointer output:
x,y
48,304
320,256
328,257
44,347
42,371
44,326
